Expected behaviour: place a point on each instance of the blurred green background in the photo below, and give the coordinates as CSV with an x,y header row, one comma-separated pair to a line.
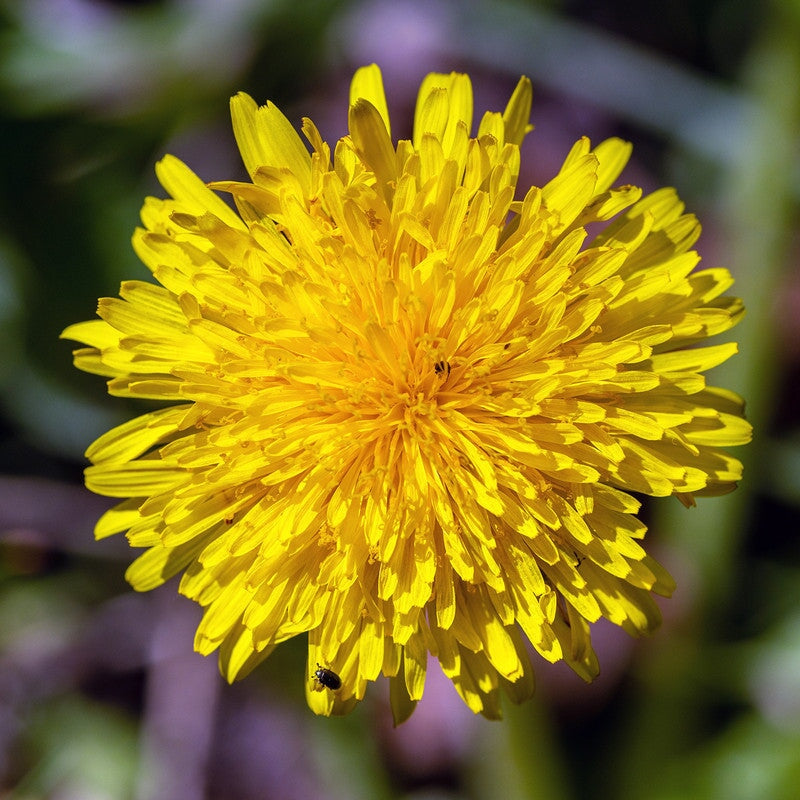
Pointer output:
x,y
101,696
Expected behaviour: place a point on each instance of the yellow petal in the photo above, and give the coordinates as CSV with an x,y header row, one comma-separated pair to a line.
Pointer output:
x,y
517,115
267,139
367,84
372,143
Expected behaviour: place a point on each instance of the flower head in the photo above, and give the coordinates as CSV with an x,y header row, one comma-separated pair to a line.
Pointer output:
x,y
407,402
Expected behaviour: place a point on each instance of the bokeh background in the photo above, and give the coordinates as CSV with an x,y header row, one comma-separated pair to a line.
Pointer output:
x,y
101,696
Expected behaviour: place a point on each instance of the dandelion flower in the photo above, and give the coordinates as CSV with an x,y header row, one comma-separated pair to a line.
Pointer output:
x,y
407,404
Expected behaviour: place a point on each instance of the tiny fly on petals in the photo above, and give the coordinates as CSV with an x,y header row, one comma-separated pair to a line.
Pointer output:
x,y
325,678
440,367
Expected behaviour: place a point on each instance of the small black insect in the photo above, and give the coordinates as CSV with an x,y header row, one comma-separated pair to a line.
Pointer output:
x,y
326,678
441,367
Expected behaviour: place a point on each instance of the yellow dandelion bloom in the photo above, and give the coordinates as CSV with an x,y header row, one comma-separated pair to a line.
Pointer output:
x,y
406,403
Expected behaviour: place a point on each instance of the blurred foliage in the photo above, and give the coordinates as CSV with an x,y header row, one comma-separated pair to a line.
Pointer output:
x,y
100,695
